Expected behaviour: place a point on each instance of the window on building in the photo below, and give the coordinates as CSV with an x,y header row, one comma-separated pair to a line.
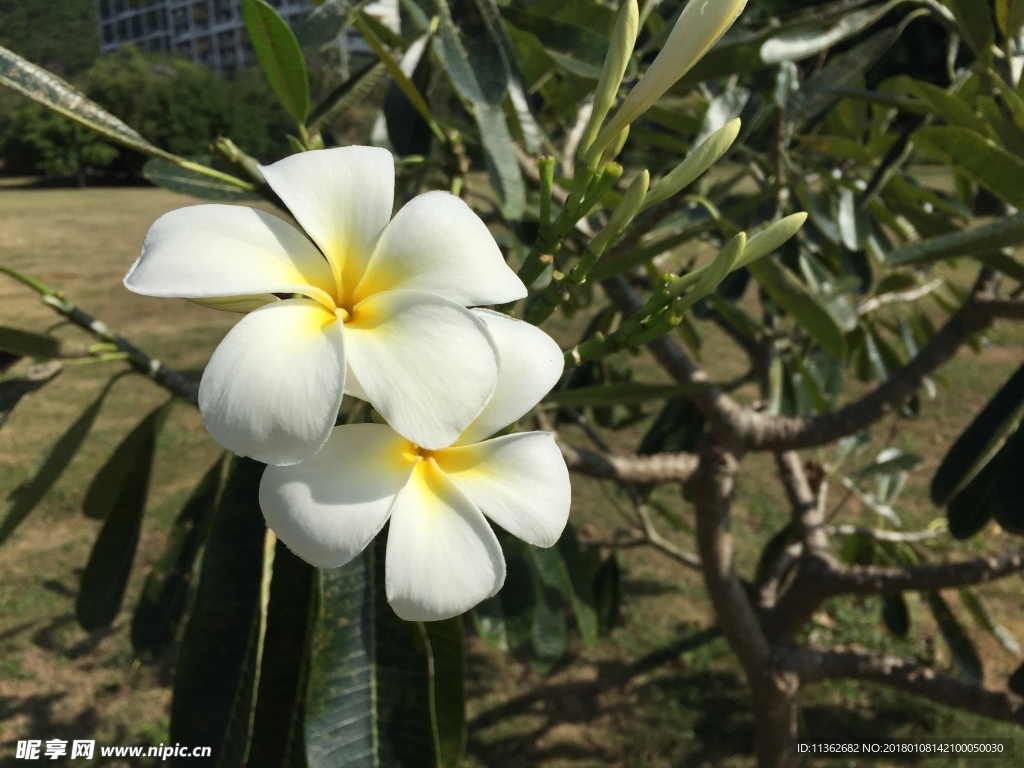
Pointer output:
x,y
108,33
104,9
183,48
222,10
122,30
119,6
180,16
137,30
204,50
200,15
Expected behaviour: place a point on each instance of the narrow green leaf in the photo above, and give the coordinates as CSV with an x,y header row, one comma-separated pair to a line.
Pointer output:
x,y
164,595
489,621
584,604
819,92
469,52
26,496
280,57
448,688
984,620
105,489
217,669
901,461
369,683
502,165
608,592
1004,232
1006,465
1010,16
895,614
801,43
974,22
786,291
408,132
277,729
981,440
556,576
339,101
186,181
965,654
28,344
106,574
983,161
773,549
971,508
53,92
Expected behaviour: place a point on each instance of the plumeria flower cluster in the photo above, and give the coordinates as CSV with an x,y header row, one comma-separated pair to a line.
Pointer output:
x,y
377,308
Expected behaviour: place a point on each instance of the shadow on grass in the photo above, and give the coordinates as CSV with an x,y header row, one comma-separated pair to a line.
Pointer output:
x,y
658,710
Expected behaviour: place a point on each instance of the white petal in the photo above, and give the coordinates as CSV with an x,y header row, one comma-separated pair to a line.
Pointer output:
x,y
437,244
531,363
272,388
328,508
426,364
443,558
226,250
518,481
342,197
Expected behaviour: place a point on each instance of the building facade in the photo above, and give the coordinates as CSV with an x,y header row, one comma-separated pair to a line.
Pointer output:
x,y
209,32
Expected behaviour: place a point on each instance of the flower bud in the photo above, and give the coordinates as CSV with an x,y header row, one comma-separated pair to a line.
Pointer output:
x,y
695,164
622,41
699,27
623,214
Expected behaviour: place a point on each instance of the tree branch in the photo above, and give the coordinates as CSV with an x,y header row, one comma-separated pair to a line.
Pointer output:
x,y
873,579
906,675
654,468
758,431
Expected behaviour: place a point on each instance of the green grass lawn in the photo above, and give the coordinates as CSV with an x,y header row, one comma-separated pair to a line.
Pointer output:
x,y
661,690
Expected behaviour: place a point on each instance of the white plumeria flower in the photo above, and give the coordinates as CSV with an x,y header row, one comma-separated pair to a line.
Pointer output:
x,y
442,556
373,306
701,24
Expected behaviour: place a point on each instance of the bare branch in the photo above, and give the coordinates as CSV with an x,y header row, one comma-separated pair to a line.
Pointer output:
x,y
655,468
879,535
805,501
656,540
902,297
873,579
906,675
1002,309
759,431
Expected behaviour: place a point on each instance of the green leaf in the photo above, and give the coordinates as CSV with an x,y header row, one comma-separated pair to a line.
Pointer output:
x,y
818,92
532,622
895,614
802,43
786,291
339,101
408,132
277,728
448,688
970,510
608,592
369,683
189,182
974,22
502,165
106,574
572,47
965,654
489,621
26,496
135,450
1008,509
164,595
773,549
556,576
981,440
217,668
900,461
584,604
280,57
28,344
1010,16
53,92
984,620
983,161
323,25
1003,232
469,53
